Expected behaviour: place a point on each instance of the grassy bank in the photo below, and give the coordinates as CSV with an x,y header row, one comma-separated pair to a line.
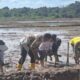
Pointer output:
x,y
60,22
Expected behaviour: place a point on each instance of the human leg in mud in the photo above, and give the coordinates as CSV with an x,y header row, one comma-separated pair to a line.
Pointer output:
x,y
77,53
42,54
56,57
23,57
1,66
32,56
1,62
55,47
55,52
3,48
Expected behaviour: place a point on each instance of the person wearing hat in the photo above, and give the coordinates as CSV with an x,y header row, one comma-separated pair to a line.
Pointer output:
x,y
75,43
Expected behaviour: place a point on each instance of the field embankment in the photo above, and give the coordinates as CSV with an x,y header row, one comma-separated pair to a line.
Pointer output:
x,y
68,73
61,22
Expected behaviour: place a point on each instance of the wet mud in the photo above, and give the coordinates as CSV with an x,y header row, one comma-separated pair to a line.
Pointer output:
x,y
12,37
68,73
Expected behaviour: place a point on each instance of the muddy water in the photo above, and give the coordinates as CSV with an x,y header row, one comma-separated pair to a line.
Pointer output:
x,y
12,38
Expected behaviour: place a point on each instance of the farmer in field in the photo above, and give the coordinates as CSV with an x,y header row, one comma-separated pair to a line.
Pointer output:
x,y
35,45
3,48
75,42
47,44
25,49
55,47
45,47
31,46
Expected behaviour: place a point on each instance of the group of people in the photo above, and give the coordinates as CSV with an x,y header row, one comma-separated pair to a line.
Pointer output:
x,y
38,48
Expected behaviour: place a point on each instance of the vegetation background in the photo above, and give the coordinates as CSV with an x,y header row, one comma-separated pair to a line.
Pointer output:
x,y
70,11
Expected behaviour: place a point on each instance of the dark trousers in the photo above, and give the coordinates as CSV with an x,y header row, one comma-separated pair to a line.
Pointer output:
x,y
24,54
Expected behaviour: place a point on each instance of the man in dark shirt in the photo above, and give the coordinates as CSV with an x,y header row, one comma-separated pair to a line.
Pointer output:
x,y
55,47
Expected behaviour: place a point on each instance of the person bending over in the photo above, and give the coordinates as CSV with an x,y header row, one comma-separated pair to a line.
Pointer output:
x,y
25,49
75,43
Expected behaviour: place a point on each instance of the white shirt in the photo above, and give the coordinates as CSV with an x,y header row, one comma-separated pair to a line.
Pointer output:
x,y
46,45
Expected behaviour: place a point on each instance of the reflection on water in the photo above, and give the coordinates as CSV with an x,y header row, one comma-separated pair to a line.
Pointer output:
x,y
50,23
12,36
29,30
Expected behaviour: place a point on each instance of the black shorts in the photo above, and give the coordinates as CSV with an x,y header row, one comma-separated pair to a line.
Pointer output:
x,y
42,54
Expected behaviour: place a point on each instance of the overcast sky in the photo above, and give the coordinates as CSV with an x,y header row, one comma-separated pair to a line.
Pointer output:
x,y
34,3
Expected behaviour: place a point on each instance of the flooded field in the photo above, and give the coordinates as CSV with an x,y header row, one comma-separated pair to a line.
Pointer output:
x,y
12,38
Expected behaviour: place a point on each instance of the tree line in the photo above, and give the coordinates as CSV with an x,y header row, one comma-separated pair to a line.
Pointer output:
x,y
70,11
